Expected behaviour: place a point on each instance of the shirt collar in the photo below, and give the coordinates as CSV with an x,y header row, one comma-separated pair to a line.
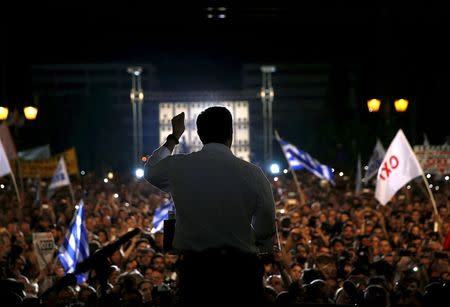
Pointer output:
x,y
216,147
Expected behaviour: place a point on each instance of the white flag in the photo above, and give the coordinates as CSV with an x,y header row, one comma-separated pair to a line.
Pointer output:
x,y
374,162
60,177
5,168
399,166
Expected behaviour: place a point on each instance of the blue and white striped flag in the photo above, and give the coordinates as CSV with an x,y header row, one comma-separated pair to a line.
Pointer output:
x,y
299,159
75,248
375,161
161,214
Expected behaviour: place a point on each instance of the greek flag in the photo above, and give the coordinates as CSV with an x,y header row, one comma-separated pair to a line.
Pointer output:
x,y
161,214
374,162
299,159
60,178
75,248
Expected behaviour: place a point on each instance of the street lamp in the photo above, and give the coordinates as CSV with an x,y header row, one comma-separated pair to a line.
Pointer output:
x,y
267,95
30,113
401,105
136,98
373,105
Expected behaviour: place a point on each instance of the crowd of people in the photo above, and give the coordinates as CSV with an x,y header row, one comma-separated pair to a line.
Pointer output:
x,y
334,245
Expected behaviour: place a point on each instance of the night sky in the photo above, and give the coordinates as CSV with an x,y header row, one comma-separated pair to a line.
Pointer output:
x,y
401,48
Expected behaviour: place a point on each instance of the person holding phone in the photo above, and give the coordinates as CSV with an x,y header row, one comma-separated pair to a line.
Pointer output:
x,y
225,212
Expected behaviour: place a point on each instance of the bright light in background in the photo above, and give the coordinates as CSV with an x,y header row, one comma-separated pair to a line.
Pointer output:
x,y
428,176
110,175
415,269
366,167
332,169
341,174
222,16
83,173
431,186
139,173
2,186
116,195
105,180
408,187
446,178
274,168
436,188
285,171
282,211
275,179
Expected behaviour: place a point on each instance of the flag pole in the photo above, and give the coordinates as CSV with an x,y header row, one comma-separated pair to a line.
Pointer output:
x,y
17,190
433,201
72,194
294,175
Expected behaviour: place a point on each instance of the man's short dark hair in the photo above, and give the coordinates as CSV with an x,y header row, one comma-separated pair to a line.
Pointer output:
x,y
215,125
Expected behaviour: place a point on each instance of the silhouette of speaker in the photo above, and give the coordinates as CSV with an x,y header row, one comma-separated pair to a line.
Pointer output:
x,y
169,231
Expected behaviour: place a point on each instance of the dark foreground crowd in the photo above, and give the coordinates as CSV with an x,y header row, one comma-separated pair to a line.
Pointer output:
x,y
335,246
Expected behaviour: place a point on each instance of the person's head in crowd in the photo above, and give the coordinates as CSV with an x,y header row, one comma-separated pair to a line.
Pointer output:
x,y
142,243
148,272
66,296
344,268
309,274
116,257
58,233
435,293
389,257
25,228
146,287
102,236
326,266
131,297
113,276
12,292
302,253
385,246
94,245
275,282
157,262
159,240
295,218
170,259
44,223
269,295
348,232
214,125
375,296
295,272
87,295
130,280
306,210
315,208
157,277
144,257
131,265
324,250
90,223
406,293
131,222
106,221
316,292
337,246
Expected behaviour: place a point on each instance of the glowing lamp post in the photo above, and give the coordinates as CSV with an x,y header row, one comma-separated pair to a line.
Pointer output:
x,y
401,105
373,105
